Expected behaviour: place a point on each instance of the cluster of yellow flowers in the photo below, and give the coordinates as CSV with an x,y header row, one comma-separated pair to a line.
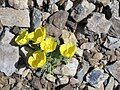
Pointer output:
x,y
47,45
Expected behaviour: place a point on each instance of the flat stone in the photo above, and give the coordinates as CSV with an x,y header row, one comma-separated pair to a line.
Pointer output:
x,y
9,56
79,52
114,69
112,43
82,10
82,72
87,45
98,24
115,28
70,69
18,4
53,1
53,31
37,17
110,84
96,77
7,37
12,17
59,19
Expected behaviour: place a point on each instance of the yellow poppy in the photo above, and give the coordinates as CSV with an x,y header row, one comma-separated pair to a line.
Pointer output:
x,y
22,38
48,45
68,50
38,59
38,35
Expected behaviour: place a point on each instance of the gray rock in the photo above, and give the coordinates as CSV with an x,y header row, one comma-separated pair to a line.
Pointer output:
x,y
81,73
63,80
1,28
114,69
70,69
87,45
98,56
59,19
110,84
112,43
82,10
9,55
68,5
114,5
53,1
115,28
7,37
96,77
53,8
53,31
97,23
50,77
12,17
18,4
40,2
37,17
74,81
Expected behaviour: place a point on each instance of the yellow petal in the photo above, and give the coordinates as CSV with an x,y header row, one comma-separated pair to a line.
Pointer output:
x,y
68,50
48,45
38,59
22,38
39,35
30,36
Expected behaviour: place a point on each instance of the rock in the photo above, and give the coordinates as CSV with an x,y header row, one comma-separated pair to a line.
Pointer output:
x,y
59,19
53,1
92,88
87,45
68,36
53,8
53,31
112,43
7,37
40,2
3,80
94,62
9,56
104,2
70,69
98,56
74,81
67,87
96,77
12,17
7,87
110,84
37,17
25,73
82,10
63,80
68,5
1,28
18,4
82,72
45,15
114,5
79,52
12,80
20,71
50,78
57,70
71,25
1,2
36,83
114,29
98,24
114,70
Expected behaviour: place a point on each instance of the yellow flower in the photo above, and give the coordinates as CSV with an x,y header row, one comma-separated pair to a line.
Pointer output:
x,y
38,35
68,49
22,38
38,59
48,45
